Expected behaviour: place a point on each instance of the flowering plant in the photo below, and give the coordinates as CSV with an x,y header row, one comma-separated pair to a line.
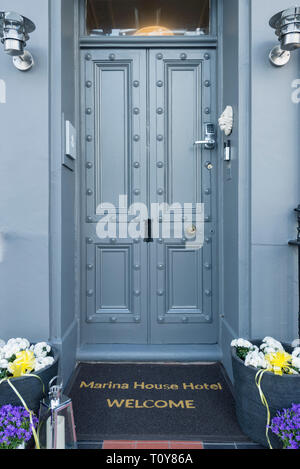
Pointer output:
x,y
269,356
18,357
286,425
15,426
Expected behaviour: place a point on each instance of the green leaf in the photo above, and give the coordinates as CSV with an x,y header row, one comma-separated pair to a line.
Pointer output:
x,y
242,352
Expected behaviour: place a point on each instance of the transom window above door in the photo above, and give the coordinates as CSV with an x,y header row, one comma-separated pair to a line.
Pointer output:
x,y
123,18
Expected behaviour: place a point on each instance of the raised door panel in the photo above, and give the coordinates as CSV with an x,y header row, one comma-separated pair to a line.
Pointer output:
x,y
115,128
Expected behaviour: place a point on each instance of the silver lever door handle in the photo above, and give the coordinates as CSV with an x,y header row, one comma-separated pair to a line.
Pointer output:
x,y
209,144
204,142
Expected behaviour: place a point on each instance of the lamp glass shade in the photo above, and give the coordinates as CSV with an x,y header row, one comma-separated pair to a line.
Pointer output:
x,y
56,425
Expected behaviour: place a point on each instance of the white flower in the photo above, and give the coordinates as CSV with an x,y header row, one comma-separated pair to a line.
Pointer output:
x,y
2,343
22,344
296,352
296,362
48,361
10,349
268,350
242,343
3,364
256,359
41,349
14,346
42,362
271,345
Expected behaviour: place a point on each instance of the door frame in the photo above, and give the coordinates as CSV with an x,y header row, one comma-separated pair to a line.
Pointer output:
x,y
235,312
105,352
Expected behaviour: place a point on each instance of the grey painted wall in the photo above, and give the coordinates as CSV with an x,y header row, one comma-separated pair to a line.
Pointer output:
x,y
275,182
261,184
37,193
24,186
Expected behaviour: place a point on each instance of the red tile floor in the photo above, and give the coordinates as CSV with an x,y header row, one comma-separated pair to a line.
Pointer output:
x,y
109,444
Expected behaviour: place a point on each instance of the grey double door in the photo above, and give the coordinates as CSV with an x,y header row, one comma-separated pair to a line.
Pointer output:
x,y
143,109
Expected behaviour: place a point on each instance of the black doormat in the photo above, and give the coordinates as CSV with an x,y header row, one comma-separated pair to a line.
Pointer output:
x,y
153,401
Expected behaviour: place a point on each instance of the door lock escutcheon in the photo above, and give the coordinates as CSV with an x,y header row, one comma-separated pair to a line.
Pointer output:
x,y
209,141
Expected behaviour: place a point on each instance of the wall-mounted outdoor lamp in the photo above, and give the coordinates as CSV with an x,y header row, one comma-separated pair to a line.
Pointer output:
x,y
14,33
287,26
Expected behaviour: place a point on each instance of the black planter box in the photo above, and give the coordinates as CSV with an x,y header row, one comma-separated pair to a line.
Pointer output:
x,y
31,389
280,391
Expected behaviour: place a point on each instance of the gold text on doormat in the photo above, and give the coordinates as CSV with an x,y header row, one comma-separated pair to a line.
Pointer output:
x,y
149,386
150,404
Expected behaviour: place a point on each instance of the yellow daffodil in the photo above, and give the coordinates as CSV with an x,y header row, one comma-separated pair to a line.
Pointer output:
x,y
23,364
280,362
